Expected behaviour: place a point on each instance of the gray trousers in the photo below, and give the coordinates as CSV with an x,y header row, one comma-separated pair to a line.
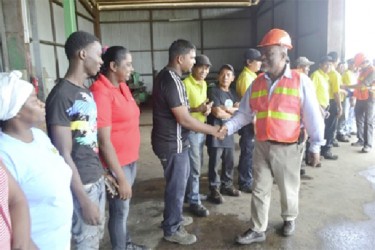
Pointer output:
x,y
364,116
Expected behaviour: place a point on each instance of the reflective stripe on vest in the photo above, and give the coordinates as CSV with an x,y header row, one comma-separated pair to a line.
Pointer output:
x,y
278,117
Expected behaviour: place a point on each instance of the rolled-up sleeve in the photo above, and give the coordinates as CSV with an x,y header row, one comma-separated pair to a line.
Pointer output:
x,y
311,116
243,116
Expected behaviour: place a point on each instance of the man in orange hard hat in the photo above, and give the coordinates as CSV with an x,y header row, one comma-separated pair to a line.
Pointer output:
x,y
364,107
282,100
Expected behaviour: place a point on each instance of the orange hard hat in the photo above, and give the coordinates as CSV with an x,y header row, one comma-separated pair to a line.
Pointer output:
x,y
276,37
359,59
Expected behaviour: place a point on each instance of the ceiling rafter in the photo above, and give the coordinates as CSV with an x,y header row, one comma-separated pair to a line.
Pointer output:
x,y
156,4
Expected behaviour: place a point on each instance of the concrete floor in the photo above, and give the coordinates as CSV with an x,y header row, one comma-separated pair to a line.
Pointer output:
x,y
337,206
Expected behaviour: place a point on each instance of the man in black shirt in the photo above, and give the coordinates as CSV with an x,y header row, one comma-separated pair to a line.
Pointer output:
x,y
71,123
226,103
171,124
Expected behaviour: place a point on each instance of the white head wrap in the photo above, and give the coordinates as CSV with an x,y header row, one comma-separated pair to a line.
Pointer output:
x,y
13,94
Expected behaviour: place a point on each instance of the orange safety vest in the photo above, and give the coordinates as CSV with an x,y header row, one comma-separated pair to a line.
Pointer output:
x,y
362,93
278,117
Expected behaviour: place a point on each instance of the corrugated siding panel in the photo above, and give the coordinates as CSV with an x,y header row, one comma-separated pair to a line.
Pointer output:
x,y
133,15
285,17
135,36
82,10
218,57
161,59
264,24
165,33
226,13
142,62
58,12
48,59
226,33
43,15
63,61
175,14
85,25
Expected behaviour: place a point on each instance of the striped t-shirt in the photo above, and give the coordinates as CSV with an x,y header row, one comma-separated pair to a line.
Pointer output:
x,y
5,225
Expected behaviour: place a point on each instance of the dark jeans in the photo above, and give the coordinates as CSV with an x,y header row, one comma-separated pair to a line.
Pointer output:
x,y
245,164
176,173
227,163
330,127
364,116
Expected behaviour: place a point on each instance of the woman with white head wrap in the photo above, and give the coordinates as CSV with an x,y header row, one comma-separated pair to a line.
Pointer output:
x,y
35,163
14,93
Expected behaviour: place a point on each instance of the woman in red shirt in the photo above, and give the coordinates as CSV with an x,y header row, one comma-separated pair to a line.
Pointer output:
x,y
119,137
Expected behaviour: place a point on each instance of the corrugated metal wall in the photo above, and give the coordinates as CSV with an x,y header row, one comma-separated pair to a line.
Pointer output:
x,y
51,36
305,21
222,34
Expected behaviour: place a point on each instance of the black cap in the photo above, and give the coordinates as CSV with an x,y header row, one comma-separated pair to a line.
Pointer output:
x,y
252,54
202,60
350,61
334,55
325,59
226,66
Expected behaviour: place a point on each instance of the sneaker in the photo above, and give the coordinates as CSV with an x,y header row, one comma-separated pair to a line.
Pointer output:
x,y
342,138
181,237
132,246
215,196
329,156
357,144
246,189
186,220
289,227
335,143
199,210
250,236
366,149
230,191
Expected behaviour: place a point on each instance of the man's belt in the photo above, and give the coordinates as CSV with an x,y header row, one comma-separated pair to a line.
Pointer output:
x,y
280,143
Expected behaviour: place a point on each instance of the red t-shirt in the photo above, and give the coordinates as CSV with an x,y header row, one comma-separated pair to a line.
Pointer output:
x,y
117,109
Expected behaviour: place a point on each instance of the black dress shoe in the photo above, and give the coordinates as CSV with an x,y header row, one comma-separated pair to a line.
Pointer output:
x,y
289,227
250,236
246,189
199,210
330,156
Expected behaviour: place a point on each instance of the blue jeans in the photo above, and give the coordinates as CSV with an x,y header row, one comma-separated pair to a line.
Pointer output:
x,y
118,213
176,173
245,164
85,236
227,163
196,162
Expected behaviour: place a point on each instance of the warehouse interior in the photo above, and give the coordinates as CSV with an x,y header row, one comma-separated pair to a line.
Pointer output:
x,y
220,29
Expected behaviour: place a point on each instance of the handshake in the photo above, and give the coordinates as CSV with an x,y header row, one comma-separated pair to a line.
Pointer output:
x,y
219,132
